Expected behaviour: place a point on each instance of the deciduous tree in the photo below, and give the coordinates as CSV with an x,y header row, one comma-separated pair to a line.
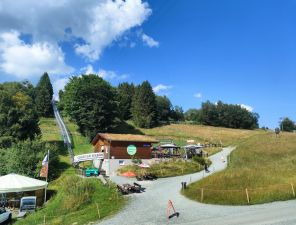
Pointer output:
x,y
90,102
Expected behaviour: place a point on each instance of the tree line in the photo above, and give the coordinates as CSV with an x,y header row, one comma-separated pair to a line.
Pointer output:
x,y
21,146
287,124
223,115
96,106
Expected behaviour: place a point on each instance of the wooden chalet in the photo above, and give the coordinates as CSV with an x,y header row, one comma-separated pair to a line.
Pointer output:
x,y
115,146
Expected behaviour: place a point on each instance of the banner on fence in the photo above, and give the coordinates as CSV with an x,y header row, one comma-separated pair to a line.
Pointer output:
x,y
88,157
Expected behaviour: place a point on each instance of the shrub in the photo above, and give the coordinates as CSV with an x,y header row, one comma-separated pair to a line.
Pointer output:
x,y
136,161
200,160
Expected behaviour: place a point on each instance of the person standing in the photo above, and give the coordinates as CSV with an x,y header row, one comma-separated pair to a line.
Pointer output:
x,y
206,167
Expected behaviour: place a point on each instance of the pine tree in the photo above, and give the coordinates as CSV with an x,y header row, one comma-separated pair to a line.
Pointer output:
x,y
43,96
125,94
164,108
144,108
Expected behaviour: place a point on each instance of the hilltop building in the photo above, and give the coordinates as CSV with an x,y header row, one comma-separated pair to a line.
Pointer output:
x,y
120,149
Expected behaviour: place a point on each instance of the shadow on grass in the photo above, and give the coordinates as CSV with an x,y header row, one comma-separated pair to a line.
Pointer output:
x,y
50,193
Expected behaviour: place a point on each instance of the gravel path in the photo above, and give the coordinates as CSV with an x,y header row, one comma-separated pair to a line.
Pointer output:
x,y
150,207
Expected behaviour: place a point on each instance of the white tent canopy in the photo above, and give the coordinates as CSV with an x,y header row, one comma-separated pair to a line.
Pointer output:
x,y
192,146
17,183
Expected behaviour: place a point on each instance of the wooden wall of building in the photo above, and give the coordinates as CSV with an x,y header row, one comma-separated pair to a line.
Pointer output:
x,y
118,149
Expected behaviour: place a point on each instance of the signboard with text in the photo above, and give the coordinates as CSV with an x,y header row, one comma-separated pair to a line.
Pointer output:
x,y
131,150
88,157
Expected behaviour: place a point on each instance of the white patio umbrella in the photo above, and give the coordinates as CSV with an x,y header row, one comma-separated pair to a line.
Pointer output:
x,y
17,183
143,165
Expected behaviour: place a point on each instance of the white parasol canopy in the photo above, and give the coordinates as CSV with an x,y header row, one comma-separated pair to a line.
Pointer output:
x,y
143,165
192,146
17,183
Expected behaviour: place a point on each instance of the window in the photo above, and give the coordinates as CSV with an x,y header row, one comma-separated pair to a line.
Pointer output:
x,y
121,162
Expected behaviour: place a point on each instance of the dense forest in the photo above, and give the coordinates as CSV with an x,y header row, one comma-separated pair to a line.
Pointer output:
x,y
21,147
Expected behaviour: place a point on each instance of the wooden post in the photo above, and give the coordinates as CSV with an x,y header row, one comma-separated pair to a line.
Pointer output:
x,y
247,196
293,191
201,195
98,210
44,220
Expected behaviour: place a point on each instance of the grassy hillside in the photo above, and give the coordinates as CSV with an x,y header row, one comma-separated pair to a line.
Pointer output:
x,y
262,164
81,144
182,132
49,129
74,200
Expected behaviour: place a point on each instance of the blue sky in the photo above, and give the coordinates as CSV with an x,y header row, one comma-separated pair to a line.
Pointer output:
x,y
240,52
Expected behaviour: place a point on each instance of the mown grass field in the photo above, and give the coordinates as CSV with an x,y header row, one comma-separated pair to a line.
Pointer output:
x,y
73,200
262,164
182,132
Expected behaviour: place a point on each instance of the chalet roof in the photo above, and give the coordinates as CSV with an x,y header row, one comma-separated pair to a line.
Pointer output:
x,y
124,137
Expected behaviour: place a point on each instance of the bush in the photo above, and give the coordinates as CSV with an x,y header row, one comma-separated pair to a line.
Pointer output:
x,y
25,158
5,141
136,161
200,160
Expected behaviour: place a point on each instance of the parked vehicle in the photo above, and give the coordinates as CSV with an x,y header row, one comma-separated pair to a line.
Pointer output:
x,y
28,204
5,216
91,172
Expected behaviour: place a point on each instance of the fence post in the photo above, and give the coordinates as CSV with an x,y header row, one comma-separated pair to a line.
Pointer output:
x,y
202,195
44,220
247,196
293,189
98,210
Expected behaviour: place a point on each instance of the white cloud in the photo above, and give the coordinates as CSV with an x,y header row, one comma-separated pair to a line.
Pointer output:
x,y
59,84
30,60
198,95
96,23
247,107
149,41
105,74
161,87
89,70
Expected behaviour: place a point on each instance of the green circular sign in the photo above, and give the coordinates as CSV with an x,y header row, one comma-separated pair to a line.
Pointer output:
x,y
131,150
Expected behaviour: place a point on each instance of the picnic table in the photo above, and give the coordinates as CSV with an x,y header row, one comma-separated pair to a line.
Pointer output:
x,y
127,187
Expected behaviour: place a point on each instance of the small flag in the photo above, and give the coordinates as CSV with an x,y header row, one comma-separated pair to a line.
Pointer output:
x,y
44,169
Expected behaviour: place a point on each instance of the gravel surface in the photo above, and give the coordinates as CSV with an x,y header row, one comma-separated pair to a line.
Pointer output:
x,y
150,207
